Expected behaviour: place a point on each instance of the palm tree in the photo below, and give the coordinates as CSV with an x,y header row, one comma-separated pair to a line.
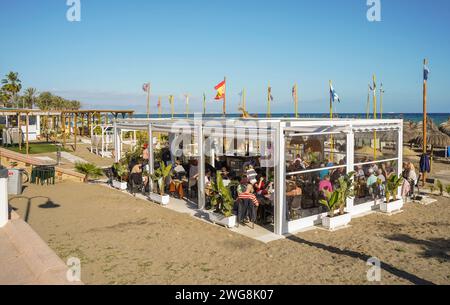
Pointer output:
x,y
29,97
89,170
12,86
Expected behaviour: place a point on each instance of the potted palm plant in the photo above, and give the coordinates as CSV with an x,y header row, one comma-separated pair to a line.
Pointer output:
x,y
336,202
119,181
222,203
159,178
89,170
392,204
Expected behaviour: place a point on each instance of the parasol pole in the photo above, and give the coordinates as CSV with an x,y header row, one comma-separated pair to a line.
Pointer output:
x,y
331,118
374,117
425,144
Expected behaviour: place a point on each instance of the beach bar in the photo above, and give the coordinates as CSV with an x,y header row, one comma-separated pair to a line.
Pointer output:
x,y
282,151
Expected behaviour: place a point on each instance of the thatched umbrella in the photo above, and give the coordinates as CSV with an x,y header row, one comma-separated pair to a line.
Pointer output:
x,y
410,131
435,137
445,127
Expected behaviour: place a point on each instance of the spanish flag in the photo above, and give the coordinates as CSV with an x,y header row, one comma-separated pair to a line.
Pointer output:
x,y
220,88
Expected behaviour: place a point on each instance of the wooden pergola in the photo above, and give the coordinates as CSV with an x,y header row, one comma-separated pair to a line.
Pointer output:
x,y
65,118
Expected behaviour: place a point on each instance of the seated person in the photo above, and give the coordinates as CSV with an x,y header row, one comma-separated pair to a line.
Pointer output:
x,y
294,189
179,169
260,186
381,176
243,185
371,181
251,174
323,173
325,185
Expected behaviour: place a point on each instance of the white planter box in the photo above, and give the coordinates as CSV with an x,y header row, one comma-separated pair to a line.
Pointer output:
x,y
163,200
120,185
229,222
337,221
391,207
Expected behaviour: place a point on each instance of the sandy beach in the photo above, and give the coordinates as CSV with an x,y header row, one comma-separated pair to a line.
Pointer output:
x,y
123,240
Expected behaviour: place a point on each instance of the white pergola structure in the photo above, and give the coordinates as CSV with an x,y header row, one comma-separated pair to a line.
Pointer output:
x,y
334,140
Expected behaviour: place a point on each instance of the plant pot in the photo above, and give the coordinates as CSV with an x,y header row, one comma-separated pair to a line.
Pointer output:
x,y
229,222
336,222
163,200
120,185
392,206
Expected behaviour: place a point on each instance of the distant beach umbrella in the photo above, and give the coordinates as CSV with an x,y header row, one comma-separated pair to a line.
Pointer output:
x,y
445,127
435,137
410,131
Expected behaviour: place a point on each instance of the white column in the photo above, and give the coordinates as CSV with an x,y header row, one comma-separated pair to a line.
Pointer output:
x,y
4,212
151,157
278,147
400,155
350,162
117,133
201,168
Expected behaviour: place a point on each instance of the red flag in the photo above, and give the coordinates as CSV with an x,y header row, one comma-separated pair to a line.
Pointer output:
x,y
220,88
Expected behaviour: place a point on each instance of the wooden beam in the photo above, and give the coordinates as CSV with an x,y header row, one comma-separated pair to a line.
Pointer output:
x,y
27,139
20,130
75,130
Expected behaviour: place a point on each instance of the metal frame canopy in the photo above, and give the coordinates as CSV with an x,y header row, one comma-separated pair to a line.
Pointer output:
x,y
277,130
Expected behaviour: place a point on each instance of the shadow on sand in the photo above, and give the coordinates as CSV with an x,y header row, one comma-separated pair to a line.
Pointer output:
x,y
49,204
434,248
364,258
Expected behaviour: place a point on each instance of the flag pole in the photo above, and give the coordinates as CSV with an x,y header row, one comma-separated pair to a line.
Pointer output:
x,y
268,102
159,107
381,101
368,103
331,118
244,102
374,117
225,97
204,103
296,100
171,105
187,105
148,101
425,120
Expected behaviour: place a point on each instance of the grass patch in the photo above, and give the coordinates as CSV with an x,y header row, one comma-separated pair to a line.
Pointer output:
x,y
36,148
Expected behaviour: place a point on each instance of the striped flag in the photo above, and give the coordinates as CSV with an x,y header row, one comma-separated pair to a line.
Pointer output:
x,y
426,71
220,88
333,94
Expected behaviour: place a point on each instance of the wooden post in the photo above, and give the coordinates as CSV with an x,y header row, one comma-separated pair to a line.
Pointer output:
x,y
425,122
381,101
225,97
64,126
89,122
368,104
296,100
27,122
75,130
171,105
20,130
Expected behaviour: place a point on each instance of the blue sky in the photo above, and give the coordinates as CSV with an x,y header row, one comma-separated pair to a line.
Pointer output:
x,y
189,46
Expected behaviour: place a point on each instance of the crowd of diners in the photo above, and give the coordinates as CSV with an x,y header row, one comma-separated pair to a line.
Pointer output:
x,y
251,183
305,190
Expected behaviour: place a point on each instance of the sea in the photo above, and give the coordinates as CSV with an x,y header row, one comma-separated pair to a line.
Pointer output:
x,y
438,118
